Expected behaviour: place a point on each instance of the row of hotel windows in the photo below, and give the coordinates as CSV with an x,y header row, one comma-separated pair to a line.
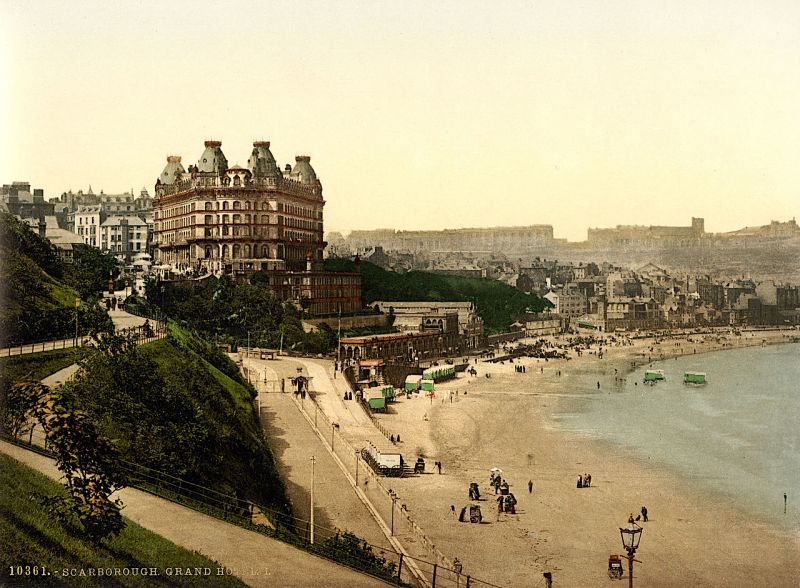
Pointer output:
x,y
303,211
237,205
239,231
211,219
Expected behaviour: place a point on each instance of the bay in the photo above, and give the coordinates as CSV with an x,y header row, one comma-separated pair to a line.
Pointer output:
x,y
738,435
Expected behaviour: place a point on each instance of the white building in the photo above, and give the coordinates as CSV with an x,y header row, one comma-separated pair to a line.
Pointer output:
x,y
85,222
571,303
123,236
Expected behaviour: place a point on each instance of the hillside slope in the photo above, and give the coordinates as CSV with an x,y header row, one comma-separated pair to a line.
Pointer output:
x,y
497,303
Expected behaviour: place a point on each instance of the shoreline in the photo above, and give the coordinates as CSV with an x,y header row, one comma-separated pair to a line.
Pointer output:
x,y
567,405
559,528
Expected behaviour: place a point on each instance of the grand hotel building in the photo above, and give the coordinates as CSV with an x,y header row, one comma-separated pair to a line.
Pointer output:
x,y
213,219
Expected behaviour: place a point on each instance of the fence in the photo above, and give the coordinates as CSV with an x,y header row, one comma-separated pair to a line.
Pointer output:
x,y
141,334
43,346
433,566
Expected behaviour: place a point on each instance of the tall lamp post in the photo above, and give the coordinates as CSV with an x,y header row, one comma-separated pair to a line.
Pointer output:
x,y
393,495
313,460
630,541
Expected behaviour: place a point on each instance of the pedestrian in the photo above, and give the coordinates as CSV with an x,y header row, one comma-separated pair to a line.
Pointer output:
x,y
589,482
439,466
644,514
453,509
580,482
598,385
398,438
530,486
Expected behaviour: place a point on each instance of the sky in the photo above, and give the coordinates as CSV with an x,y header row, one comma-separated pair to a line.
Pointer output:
x,y
423,115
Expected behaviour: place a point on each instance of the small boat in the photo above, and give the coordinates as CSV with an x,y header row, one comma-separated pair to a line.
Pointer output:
x,y
653,376
695,378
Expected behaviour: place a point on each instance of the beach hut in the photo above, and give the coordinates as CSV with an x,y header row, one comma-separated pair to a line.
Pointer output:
x,y
653,376
695,378
426,385
375,399
439,372
388,393
412,383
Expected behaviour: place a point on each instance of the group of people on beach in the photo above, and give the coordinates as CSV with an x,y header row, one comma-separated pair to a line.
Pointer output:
x,y
584,481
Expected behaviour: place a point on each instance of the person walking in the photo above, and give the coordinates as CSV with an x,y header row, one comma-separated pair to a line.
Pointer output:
x,y
644,514
530,486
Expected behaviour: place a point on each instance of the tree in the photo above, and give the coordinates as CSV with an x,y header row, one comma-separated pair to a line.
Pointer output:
x,y
87,460
89,271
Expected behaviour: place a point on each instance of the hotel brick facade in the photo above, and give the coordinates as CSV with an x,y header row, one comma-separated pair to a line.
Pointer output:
x,y
234,221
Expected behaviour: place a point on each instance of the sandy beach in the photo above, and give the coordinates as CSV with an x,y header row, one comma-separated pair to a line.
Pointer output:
x,y
693,537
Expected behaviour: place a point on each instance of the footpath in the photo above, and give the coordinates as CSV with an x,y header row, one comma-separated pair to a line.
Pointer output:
x,y
259,561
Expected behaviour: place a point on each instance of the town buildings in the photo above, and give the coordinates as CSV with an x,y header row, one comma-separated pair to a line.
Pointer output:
x,y
118,224
460,317
18,199
217,219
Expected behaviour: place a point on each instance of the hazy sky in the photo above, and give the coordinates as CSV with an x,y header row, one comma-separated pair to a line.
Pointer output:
x,y
423,114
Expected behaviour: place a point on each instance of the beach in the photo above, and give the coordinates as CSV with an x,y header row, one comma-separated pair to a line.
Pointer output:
x,y
693,537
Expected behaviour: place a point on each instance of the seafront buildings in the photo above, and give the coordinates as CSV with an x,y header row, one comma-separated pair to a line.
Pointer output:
x,y
216,219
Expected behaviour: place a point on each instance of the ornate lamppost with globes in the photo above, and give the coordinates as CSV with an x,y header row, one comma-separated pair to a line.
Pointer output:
x,y
630,541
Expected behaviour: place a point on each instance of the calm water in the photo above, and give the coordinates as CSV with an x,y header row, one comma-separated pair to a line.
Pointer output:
x,y
738,434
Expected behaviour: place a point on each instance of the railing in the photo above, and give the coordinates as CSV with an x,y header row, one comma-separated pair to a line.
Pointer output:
x,y
44,346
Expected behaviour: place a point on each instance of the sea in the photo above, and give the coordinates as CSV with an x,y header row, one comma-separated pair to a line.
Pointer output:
x,y
738,435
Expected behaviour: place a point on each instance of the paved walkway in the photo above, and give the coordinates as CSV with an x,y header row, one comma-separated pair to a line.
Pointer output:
x,y
61,376
257,560
354,424
293,442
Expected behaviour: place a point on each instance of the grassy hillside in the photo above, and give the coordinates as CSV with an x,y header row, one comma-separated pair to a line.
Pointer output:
x,y
497,303
178,405
39,291
29,537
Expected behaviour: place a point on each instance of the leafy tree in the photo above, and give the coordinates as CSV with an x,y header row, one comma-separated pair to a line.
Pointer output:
x,y
89,271
87,460
497,303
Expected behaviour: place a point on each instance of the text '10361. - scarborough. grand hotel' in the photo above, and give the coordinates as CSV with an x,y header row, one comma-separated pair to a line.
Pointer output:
x,y
213,220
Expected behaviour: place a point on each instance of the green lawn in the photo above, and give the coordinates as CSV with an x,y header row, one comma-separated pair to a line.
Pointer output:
x,y
29,537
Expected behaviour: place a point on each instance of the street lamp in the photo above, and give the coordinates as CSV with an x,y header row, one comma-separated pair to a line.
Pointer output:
x,y
394,499
630,541
313,460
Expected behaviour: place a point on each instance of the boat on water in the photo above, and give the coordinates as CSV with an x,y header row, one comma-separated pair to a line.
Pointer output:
x,y
653,376
694,378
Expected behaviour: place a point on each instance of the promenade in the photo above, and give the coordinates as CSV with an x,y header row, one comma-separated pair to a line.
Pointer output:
x,y
257,560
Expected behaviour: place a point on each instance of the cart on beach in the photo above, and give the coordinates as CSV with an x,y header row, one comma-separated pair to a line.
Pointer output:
x,y
475,515
615,569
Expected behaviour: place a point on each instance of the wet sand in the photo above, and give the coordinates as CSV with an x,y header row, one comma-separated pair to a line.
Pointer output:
x,y
694,537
